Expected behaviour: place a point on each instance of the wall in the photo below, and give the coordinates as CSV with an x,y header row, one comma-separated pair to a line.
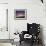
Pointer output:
x,y
3,1
35,13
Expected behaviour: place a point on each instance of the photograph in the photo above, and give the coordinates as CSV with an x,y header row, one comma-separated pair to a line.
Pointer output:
x,y
20,14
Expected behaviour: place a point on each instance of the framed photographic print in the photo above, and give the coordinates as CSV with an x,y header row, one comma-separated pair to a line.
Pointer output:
x,y
20,14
